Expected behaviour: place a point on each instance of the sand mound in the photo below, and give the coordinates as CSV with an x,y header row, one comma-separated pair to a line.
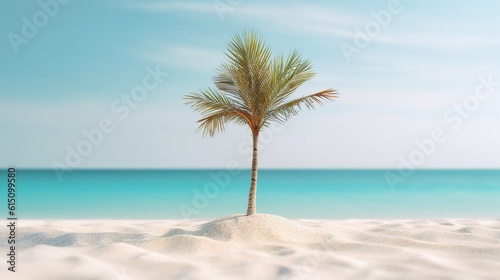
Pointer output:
x,y
259,228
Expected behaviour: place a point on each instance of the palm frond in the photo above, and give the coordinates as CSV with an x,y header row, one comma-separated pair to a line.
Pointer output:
x,y
217,109
251,61
216,122
225,81
290,74
208,101
291,108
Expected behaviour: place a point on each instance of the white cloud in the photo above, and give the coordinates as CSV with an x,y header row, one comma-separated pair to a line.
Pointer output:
x,y
318,19
300,18
306,18
324,20
439,41
310,13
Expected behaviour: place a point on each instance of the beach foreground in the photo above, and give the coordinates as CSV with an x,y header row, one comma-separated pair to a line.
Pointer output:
x,y
257,247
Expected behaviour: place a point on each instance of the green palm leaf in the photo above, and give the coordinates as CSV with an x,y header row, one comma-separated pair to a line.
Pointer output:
x,y
292,108
218,110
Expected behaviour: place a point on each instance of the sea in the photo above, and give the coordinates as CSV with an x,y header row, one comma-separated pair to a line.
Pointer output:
x,y
294,194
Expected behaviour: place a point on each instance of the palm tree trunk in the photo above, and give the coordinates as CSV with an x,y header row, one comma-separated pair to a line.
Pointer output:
x,y
252,195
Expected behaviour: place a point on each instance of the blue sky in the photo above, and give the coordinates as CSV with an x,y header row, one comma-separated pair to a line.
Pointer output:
x,y
404,82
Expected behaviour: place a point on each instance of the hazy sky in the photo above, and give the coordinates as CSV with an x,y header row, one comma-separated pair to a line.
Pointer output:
x,y
406,71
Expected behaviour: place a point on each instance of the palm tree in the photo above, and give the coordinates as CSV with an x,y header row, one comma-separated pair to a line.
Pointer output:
x,y
253,89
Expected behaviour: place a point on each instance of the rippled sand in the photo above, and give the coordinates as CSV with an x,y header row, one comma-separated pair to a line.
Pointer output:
x,y
257,247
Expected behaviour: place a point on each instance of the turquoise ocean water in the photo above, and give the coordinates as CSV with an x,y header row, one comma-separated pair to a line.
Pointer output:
x,y
205,194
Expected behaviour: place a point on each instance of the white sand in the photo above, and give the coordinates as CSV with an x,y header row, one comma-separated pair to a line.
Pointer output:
x,y
257,247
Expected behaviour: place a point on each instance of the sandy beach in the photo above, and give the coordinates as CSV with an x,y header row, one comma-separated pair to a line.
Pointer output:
x,y
257,247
